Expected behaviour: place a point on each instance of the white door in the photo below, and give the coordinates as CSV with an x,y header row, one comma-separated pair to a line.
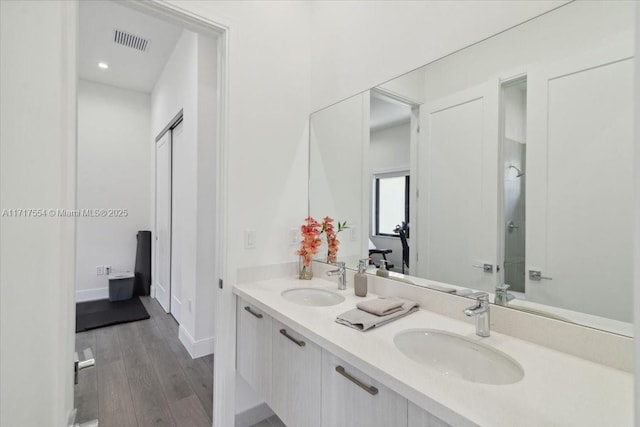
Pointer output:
x,y
457,202
163,222
579,160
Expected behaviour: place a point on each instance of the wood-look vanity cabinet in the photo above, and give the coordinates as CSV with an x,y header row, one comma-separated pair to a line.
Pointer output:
x,y
353,399
307,386
253,347
418,417
296,383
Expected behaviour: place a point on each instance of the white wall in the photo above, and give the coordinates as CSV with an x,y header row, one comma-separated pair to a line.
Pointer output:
x,y
389,148
339,174
176,89
267,152
357,45
189,82
113,173
37,171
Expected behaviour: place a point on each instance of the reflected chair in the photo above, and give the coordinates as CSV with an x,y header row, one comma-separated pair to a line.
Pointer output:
x,y
383,255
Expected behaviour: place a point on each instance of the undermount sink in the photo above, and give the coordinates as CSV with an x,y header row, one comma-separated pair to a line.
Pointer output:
x,y
312,297
459,357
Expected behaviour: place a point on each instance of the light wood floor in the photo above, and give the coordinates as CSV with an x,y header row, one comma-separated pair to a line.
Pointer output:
x,y
143,376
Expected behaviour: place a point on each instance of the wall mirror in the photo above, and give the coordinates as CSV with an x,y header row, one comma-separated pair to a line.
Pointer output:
x,y
505,167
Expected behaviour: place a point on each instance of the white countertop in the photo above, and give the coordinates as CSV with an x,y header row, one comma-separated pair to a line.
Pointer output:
x,y
557,390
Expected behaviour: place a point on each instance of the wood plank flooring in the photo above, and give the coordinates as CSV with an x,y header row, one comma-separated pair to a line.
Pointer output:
x,y
143,376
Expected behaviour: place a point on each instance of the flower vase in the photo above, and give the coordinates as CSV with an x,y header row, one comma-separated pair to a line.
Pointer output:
x,y
306,272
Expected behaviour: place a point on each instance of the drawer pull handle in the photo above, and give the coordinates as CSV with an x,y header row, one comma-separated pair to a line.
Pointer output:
x,y
368,388
258,315
299,342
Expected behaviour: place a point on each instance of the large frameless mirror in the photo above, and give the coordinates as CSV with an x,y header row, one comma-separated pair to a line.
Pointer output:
x,y
505,167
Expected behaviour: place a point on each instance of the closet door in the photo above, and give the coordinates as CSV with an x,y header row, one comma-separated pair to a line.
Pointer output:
x,y
457,175
162,274
580,182
182,224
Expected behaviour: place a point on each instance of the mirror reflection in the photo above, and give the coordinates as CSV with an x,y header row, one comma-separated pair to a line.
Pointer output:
x,y
505,167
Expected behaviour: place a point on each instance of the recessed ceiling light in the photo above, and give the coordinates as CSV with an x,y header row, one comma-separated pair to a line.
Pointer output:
x,y
103,65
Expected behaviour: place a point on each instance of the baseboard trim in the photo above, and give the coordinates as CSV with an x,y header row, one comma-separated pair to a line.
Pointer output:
x,y
92,294
253,415
196,348
176,309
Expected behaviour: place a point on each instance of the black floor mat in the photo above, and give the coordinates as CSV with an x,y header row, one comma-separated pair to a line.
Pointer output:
x,y
101,313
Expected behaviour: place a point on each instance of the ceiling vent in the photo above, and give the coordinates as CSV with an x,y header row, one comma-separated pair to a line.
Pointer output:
x,y
129,40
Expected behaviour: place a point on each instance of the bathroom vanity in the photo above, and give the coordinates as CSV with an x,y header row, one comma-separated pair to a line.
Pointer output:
x,y
313,371
508,165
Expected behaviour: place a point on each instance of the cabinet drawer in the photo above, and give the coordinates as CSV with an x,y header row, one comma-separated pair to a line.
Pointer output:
x,y
253,347
353,399
418,417
296,390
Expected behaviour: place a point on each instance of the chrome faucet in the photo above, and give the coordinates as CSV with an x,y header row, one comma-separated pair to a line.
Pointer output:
x,y
342,273
481,312
502,296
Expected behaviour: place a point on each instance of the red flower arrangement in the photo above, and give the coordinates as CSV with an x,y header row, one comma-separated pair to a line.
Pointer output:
x,y
310,243
332,237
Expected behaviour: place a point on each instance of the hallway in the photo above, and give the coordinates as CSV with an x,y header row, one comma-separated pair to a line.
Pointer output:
x,y
143,376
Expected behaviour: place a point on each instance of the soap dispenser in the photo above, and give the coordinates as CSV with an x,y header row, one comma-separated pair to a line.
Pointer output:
x,y
382,271
360,279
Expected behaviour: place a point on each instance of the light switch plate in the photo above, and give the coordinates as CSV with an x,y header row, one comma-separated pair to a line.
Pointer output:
x,y
249,239
353,234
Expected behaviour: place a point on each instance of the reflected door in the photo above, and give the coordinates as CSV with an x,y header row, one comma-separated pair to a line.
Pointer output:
x,y
580,183
457,202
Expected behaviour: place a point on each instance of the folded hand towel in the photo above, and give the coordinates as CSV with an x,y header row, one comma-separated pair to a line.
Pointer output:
x,y
362,321
381,306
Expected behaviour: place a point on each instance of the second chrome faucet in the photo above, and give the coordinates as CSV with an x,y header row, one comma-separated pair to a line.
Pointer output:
x,y
341,272
481,312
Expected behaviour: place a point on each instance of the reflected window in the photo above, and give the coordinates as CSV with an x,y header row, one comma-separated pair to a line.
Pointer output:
x,y
391,196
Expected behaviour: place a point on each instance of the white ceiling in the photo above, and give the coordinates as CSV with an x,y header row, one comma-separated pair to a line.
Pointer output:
x,y
128,67
385,113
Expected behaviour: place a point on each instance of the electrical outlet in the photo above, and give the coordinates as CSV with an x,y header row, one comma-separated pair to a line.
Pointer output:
x,y
293,233
353,234
249,239
100,270
107,270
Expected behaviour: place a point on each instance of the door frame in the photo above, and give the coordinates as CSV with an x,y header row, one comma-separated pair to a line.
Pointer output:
x,y
224,329
504,81
414,139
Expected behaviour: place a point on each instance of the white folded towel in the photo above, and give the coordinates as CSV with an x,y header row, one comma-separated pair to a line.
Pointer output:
x,y
381,306
363,321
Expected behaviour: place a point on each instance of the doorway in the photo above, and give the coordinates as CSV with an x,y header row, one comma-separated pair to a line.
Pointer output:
x,y
170,200
392,137
514,158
